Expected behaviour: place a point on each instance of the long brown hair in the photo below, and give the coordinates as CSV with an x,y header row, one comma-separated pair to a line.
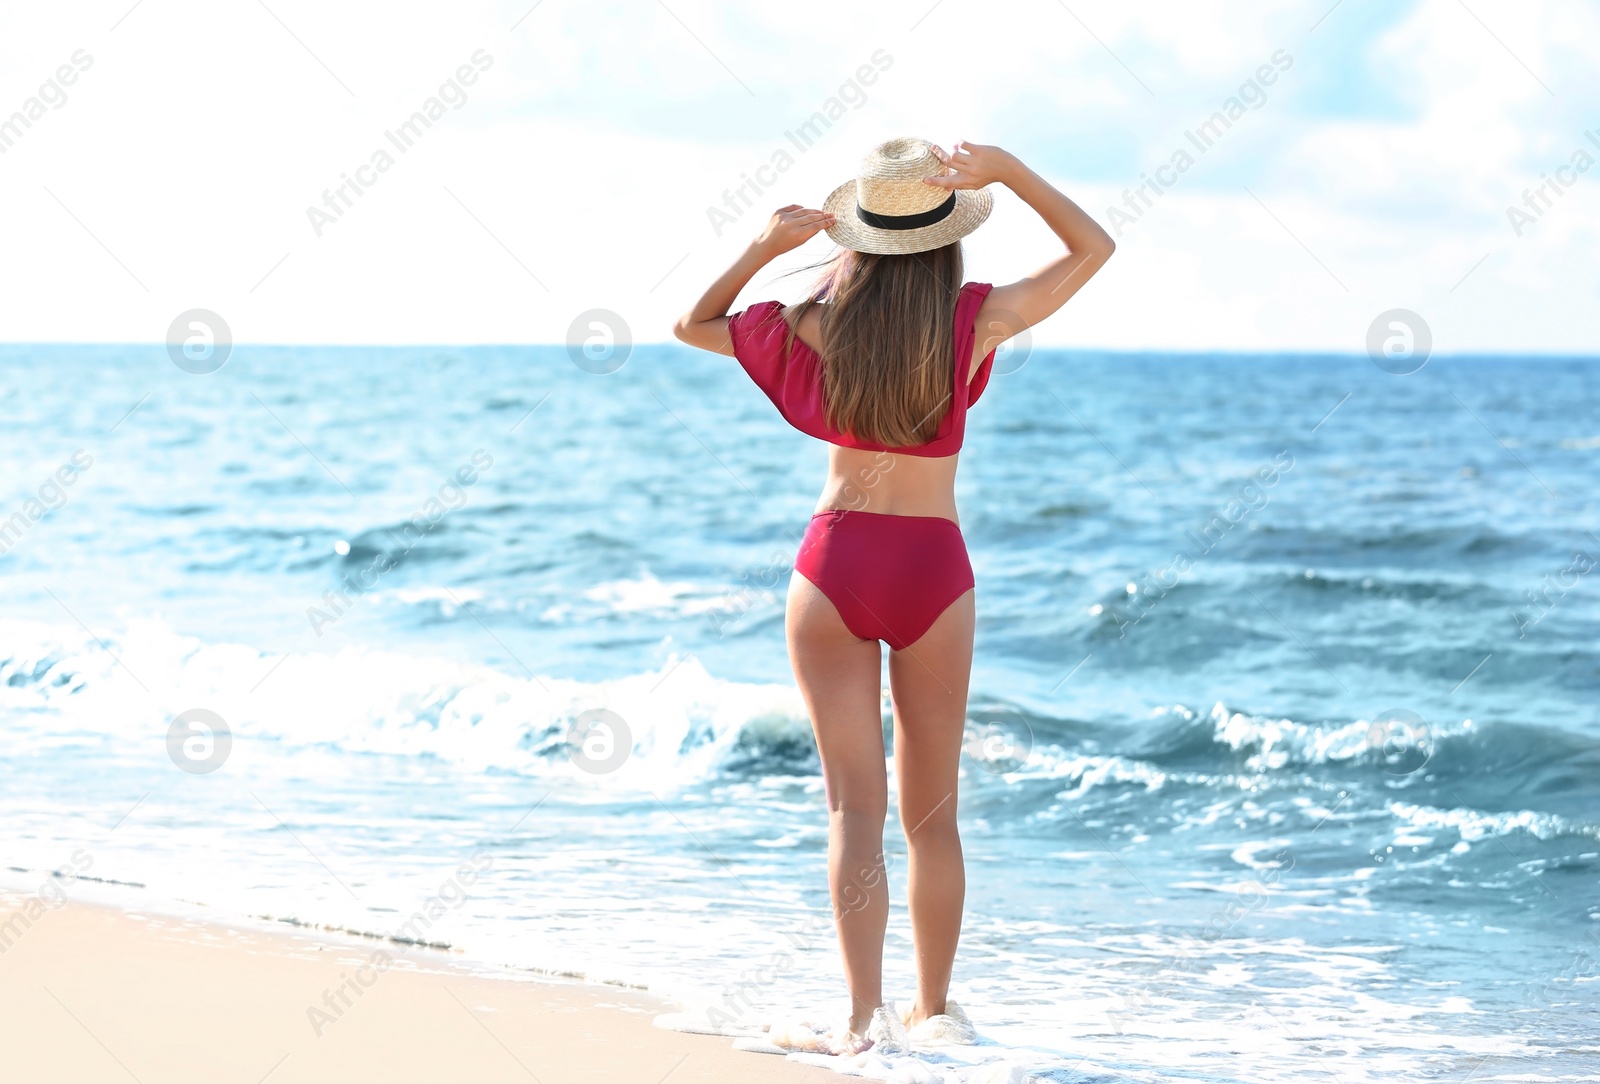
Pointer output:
x,y
888,341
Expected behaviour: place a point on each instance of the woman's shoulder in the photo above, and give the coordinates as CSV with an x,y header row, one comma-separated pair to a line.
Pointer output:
x,y
764,329
814,304
969,301
768,312
807,323
759,312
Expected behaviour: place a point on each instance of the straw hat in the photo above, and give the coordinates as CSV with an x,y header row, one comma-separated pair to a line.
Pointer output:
x,y
888,208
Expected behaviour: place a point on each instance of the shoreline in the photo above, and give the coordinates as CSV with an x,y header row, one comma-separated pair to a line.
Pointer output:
x,y
93,991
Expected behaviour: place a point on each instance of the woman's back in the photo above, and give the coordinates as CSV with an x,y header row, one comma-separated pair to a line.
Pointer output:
x,y
867,475
882,481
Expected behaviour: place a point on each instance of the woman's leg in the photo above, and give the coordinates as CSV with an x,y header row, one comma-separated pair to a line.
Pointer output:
x,y
928,680
840,678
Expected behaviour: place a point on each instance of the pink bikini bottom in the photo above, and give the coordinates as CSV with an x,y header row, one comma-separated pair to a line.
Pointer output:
x,y
890,577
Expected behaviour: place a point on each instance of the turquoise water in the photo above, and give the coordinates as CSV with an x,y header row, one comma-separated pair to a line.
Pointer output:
x,y
1283,749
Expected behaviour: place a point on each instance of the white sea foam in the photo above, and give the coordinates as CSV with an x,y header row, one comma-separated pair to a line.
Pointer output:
x,y
647,594
1473,825
683,722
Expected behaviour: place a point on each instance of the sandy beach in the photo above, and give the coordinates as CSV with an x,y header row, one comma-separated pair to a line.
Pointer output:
x,y
94,994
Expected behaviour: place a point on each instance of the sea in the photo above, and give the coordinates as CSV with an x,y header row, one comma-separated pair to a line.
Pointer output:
x,y
1283,756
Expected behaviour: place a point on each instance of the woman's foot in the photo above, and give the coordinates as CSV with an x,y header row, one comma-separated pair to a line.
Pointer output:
x,y
886,1033
844,1041
951,1027
883,1032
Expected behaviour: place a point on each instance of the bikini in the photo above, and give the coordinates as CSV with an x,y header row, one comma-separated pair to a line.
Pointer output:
x,y
890,577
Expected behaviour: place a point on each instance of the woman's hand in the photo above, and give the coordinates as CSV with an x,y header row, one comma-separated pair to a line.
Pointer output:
x,y
973,165
706,325
790,227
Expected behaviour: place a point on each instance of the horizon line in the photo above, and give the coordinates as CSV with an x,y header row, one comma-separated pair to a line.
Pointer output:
x,y
1262,352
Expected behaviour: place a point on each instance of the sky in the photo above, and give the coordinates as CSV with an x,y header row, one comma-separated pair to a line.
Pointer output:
x,y
181,155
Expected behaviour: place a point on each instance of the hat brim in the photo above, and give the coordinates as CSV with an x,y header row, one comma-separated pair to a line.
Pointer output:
x,y
972,207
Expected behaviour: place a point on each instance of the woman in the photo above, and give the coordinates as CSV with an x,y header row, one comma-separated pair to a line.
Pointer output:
x,y
882,361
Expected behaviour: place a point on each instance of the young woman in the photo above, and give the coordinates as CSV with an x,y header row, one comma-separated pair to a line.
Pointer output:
x,y
882,361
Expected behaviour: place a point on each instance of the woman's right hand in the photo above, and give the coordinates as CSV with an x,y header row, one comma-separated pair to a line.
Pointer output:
x,y
790,227
973,165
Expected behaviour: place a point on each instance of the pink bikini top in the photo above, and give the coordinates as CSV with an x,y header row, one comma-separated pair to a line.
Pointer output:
x,y
793,379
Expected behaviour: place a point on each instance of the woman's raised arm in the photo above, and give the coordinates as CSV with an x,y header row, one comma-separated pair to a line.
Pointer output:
x,y
706,325
1016,306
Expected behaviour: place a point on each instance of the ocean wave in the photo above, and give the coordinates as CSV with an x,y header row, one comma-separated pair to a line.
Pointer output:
x,y
1472,824
1398,544
1495,768
678,723
1389,586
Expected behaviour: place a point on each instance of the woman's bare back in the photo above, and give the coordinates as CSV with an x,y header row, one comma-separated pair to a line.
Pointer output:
x,y
883,482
